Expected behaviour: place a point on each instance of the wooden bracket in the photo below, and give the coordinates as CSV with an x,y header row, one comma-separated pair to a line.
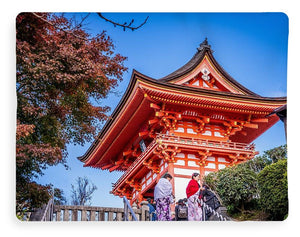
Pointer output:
x,y
166,153
203,157
151,166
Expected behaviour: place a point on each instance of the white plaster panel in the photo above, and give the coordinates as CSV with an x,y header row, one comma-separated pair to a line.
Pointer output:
x,y
196,83
191,156
179,130
207,133
192,163
204,84
211,166
191,131
211,158
180,155
221,159
180,185
185,171
218,134
222,166
148,175
180,162
154,176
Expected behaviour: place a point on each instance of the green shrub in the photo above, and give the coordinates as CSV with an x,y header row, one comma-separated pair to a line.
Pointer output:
x,y
273,187
211,180
258,186
236,186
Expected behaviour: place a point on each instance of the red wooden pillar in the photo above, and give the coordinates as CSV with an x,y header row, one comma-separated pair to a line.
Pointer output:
x,y
202,174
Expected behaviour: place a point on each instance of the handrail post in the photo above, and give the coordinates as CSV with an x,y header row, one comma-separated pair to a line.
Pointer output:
x,y
203,212
126,208
145,210
125,211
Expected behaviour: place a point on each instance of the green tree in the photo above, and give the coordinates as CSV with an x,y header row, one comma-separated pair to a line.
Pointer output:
x,y
268,157
236,187
62,75
58,197
277,153
273,187
258,163
265,177
211,180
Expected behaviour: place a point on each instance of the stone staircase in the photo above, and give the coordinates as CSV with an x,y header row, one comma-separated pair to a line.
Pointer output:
x,y
51,212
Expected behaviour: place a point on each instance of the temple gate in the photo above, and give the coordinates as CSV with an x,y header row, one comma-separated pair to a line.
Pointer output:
x,y
197,119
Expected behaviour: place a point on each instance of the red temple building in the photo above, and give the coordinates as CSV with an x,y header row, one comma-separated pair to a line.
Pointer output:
x,y
197,119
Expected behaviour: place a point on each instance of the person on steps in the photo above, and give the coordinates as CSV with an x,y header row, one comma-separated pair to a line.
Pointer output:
x,y
163,196
181,210
192,193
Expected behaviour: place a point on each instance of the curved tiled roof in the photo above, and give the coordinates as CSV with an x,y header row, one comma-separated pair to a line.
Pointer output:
x,y
204,49
168,83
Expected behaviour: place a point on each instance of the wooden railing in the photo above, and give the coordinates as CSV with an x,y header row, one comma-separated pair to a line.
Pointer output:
x,y
135,163
198,142
90,213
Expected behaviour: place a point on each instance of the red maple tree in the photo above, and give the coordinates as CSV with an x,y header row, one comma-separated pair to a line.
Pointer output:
x,y
62,75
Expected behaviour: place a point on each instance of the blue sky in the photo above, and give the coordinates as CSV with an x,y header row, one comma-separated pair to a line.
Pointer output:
x,y
251,47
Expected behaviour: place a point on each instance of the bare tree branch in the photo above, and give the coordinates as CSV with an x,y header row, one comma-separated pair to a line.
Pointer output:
x,y
57,27
82,20
125,25
82,194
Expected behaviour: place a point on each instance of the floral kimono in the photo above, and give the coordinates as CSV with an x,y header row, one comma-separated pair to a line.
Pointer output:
x,y
194,207
163,198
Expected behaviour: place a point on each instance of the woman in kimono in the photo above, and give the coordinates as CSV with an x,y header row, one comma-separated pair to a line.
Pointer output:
x,y
163,197
192,193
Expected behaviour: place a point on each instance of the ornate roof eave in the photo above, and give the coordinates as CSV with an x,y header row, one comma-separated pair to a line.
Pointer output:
x,y
138,77
281,110
203,50
202,91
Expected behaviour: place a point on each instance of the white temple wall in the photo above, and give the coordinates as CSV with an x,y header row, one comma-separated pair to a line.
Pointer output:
x,y
180,185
